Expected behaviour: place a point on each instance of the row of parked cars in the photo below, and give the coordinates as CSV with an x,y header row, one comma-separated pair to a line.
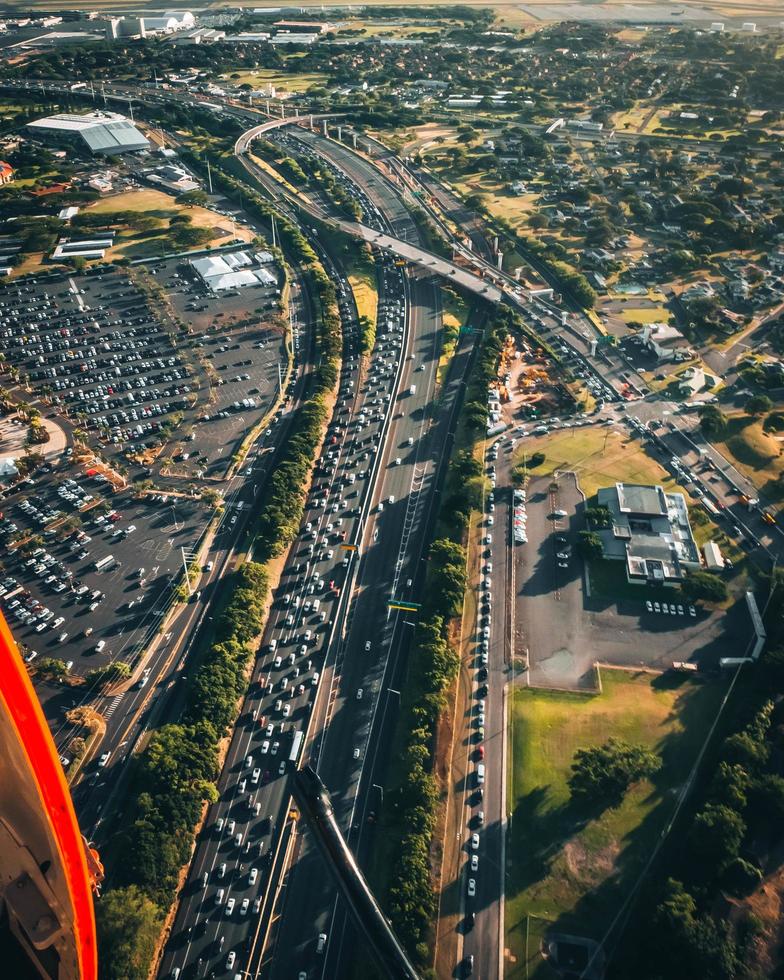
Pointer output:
x,y
669,608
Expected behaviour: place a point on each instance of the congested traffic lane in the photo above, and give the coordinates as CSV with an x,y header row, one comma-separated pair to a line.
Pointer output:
x,y
390,549
481,870
287,678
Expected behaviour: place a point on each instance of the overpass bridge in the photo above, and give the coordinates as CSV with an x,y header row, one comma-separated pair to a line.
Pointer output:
x,y
429,261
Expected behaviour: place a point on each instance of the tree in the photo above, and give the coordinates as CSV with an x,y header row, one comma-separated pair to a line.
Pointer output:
x,y
128,926
589,545
740,877
598,516
193,197
713,422
695,947
603,773
716,836
758,405
704,585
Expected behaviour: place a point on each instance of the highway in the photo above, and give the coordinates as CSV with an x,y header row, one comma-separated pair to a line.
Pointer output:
x,y
296,664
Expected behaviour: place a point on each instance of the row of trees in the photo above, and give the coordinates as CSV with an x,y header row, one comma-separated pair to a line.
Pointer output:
x,y
172,780
433,666
732,836
175,775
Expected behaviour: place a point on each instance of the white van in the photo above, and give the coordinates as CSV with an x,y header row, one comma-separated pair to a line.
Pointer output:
x,y
219,896
480,773
315,679
316,604
273,645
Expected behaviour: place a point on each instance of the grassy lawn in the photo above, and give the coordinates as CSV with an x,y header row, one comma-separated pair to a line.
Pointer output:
x,y
655,314
259,77
156,204
756,453
575,868
363,285
599,455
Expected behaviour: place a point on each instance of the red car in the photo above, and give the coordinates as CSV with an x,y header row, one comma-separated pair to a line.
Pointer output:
x,y
481,751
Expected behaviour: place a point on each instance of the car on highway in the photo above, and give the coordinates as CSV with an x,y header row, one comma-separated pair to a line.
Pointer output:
x,y
474,842
255,775
230,907
471,887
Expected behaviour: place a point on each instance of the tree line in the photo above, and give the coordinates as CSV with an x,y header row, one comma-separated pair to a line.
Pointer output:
x,y
172,779
175,775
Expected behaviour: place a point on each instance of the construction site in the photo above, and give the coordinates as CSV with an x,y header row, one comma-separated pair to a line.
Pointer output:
x,y
528,384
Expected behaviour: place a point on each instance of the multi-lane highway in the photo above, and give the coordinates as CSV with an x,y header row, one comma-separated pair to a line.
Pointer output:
x,y
301,655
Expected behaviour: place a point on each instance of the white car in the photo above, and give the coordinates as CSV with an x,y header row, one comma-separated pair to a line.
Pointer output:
x,y
230,908
244,907
474,862
474,842
253,875
255,776
265,747
471,888
649,605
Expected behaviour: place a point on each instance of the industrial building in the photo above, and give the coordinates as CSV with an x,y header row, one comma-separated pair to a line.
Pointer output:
x,y
101,133
649,531
234,270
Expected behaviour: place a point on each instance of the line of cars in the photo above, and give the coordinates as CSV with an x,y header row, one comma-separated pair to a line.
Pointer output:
x,y
671,608
291,666
480,694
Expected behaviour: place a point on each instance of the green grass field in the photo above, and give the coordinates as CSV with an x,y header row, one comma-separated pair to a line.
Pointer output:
x,y
756,453
569,867
259,77
601,456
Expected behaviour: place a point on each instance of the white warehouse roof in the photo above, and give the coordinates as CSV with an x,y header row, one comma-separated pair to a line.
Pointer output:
x,y
102,132
231,271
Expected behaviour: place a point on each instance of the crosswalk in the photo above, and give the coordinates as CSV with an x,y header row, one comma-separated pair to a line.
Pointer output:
x,y
113,705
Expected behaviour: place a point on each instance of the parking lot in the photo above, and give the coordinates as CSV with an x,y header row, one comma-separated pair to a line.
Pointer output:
x,y
565,627
143,360
86,572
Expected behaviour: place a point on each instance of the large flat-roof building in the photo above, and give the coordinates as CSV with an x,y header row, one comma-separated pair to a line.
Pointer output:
x,y
650,532
233,270
102,133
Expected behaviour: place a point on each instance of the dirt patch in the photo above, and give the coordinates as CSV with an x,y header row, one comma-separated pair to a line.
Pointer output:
x,y
766,904
590,868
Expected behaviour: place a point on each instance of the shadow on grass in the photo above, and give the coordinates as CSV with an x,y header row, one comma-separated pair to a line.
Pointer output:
x,y
541,833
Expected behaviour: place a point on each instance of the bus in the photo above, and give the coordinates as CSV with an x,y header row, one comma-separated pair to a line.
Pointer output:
x,y
296,747
104,563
